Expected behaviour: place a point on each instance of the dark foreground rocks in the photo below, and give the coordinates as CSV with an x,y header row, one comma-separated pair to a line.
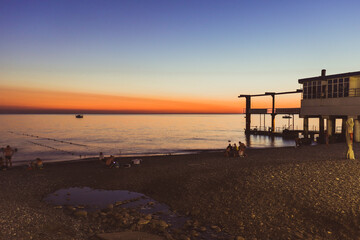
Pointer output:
x,y
310,192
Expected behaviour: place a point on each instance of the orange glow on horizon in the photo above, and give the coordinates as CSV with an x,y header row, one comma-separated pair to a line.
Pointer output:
x,y
15,99
40,99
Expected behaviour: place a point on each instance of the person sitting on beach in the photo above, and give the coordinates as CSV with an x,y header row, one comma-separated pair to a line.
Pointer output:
x,y
111,162
242,148
101,156
8,152
235,150
136,161
36,164
228,150
39,163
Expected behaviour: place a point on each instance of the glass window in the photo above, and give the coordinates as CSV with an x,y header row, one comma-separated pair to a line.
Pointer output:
x,y
314,90
329,88
318,90
341,87
309,90
305,90
335,87
323,91
346,87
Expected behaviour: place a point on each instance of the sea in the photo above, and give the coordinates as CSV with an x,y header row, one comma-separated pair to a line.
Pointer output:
x,y
62,137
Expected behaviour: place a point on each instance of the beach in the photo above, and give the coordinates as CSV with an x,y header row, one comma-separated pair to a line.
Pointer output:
x,y
310,192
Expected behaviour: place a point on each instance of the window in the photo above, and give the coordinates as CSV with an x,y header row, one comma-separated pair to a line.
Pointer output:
x,y
318,90
329,88
314,89
341,87
323,91
309,90
346,87
335,86
305,90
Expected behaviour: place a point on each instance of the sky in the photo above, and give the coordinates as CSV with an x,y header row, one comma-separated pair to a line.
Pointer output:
x,y
156,56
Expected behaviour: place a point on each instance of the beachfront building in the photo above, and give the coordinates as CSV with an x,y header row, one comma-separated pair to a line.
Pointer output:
x,y
331,97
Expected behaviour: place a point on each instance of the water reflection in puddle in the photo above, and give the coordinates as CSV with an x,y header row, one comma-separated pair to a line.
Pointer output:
x,y
95,199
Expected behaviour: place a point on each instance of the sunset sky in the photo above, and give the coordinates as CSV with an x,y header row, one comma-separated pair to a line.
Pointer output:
x,y
148,56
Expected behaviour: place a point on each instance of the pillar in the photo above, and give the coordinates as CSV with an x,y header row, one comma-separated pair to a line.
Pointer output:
x,y
330,127
273,114
306,127
321,130
343,126
357,130
248,114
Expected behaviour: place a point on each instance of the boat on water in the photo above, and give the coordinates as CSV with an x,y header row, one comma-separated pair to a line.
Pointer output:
x,y
79,116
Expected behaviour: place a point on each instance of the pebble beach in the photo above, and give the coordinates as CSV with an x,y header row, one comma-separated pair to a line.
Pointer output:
x,y
310,192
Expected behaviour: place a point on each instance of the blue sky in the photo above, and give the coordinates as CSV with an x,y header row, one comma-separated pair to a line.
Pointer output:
x,y
175,49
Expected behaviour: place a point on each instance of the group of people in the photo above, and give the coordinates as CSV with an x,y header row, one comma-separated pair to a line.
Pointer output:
x,y
6,158
36,164
236,151
112,162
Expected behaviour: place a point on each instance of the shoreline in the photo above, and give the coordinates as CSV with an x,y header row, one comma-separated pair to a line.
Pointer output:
x,y
141,155
277,193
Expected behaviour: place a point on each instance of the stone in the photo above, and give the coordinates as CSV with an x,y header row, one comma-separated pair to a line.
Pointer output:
x,y
216,228
148,217
80,213
71,208
163,224
143,221
128,235
239,238
194,233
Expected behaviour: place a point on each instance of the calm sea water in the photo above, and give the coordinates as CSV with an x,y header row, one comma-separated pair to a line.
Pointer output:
x,y
64,137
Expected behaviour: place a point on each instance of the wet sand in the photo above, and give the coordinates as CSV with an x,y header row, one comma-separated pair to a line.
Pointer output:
x,y
311,192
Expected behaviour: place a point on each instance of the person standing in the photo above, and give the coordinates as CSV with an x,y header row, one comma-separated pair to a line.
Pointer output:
x,y
349,138
8,153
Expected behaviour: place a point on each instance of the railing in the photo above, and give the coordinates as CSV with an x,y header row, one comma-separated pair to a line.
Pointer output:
x,y
354,92
277,110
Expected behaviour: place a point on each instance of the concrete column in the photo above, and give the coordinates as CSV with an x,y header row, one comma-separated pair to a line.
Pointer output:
x,y
330,126
248,114
306,127
357,130
321,130
273,114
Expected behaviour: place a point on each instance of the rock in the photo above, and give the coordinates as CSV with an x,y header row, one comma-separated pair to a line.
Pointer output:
x,y
194,233
203,229
110,206
239,238
143,221
148,217
216,228
71,208
163,224
129,236
80,213
58,207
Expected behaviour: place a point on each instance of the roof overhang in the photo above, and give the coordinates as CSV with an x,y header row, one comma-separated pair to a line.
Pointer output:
x,y
341,75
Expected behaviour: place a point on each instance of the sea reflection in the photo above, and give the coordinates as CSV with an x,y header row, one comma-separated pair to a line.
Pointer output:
x,y
64,137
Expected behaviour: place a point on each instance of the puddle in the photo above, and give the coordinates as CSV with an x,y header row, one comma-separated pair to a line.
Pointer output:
x,y
95,199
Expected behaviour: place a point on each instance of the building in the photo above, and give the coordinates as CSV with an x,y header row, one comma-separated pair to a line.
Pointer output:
x,y
331,97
